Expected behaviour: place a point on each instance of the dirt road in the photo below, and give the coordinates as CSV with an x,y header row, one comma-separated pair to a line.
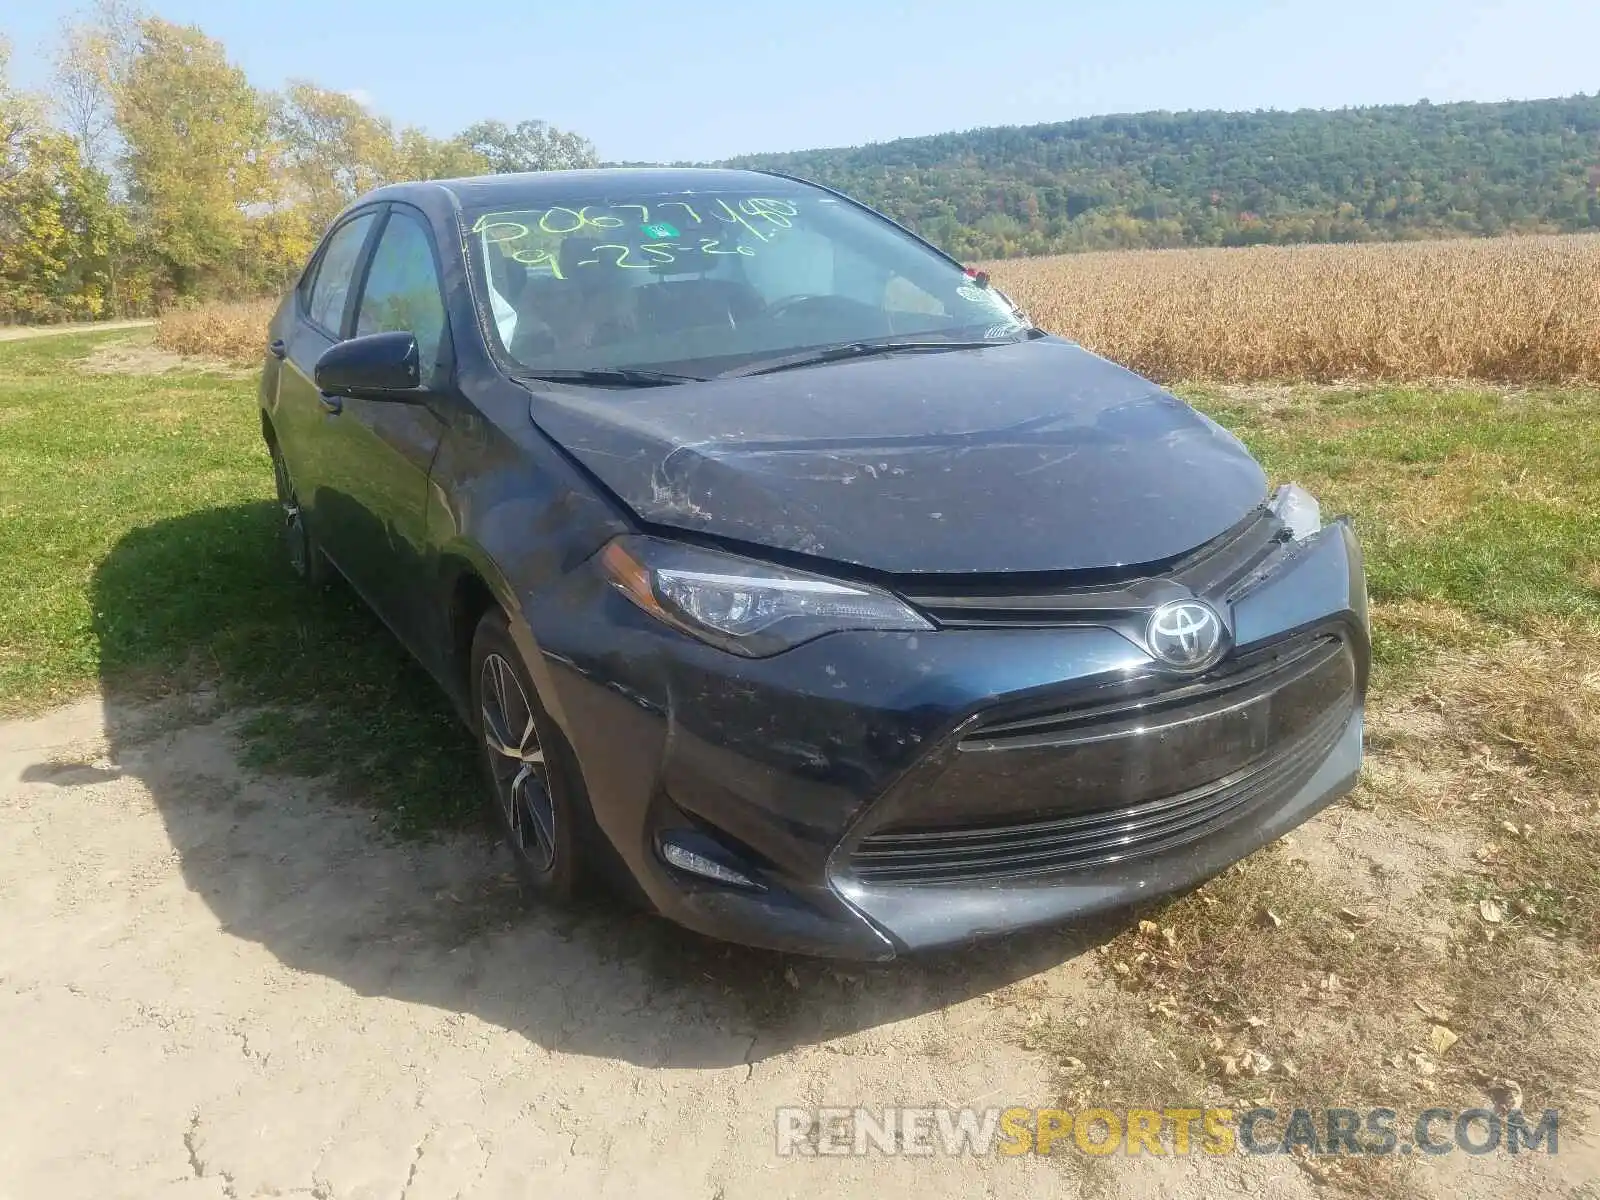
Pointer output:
x,y
214,983
16,333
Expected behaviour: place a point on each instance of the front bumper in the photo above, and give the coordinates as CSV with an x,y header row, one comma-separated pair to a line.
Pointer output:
x,y
922,917
787,764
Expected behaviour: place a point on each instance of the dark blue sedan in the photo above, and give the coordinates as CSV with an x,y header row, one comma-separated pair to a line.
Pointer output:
x,y
786,573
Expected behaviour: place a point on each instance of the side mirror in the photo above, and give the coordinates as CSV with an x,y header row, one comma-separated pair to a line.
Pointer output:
x,y
375,365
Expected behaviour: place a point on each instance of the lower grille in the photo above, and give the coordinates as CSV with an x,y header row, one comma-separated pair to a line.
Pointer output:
x,y
1132,766
955,855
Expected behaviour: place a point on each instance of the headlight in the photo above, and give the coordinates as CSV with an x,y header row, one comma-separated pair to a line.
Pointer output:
x,y
1298,509
743,606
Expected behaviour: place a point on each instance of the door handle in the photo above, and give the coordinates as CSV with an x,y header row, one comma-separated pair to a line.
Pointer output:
x,y
279,348
332,405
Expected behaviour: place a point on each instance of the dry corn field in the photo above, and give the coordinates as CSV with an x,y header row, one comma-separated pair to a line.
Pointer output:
x,y
1511,309
235,332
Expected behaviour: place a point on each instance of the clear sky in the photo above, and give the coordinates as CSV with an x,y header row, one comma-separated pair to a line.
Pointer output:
x,y
699,79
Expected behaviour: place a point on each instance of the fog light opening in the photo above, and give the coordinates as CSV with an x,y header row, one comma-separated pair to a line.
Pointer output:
x,y
691,853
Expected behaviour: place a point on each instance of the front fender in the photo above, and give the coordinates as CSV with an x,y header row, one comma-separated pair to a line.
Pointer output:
x,y
506,508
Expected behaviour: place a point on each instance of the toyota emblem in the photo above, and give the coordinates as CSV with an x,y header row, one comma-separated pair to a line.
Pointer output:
x,y
1185,634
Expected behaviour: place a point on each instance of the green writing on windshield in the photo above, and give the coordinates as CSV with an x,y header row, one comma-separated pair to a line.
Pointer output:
x,y
699,226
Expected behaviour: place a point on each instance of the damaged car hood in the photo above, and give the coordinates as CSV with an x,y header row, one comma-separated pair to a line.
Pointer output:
x,y
1030,456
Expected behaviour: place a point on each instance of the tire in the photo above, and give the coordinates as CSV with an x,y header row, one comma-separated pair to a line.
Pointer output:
x,y
535,794
299,545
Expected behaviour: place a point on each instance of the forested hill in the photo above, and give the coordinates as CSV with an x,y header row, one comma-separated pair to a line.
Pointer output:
x,y
1223,179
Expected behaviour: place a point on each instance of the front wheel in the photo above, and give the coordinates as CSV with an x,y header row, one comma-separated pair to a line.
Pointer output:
x,y
537,803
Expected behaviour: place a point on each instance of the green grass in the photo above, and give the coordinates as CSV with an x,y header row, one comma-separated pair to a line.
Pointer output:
x,y
138,550
1514,478
139,553
1485,501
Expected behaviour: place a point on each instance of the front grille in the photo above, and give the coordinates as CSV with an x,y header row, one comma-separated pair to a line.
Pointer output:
x,y
1224,567
1131,769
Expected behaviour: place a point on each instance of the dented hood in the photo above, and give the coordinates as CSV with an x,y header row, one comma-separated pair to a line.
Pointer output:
x,y
1034,456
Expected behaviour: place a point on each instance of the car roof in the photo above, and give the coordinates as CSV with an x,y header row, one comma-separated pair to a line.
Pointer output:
x,y
554,187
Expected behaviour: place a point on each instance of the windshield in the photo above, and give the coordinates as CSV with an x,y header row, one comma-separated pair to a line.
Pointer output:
x,y
699,282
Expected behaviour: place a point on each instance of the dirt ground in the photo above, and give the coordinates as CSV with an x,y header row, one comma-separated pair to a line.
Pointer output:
x,y
15,333
219,983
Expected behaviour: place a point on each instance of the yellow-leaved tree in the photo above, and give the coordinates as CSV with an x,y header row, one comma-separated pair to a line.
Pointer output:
x,y
422,156
155,172
335,150
57,222
200,162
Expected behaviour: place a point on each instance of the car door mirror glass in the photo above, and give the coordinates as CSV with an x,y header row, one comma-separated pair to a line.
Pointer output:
x,y
379,366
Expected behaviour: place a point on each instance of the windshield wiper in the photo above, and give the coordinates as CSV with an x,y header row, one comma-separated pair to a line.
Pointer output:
x,y
620,376
849,350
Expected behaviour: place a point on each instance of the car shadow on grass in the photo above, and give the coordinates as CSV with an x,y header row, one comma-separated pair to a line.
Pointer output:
x,y
324,802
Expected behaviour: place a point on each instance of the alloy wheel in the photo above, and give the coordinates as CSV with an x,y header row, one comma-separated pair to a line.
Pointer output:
x,y
517,761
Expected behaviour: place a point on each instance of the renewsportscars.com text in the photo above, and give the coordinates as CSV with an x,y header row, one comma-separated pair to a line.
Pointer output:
x,y
1014,1131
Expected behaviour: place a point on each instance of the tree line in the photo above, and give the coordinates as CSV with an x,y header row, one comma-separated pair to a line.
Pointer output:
x,y
1232,179
152,172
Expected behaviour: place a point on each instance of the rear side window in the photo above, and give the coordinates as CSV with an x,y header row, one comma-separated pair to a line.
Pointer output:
x,y
402,291
336,272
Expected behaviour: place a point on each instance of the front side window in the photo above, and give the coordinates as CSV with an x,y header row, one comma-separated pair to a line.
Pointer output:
x,y
336,272
697,282
402,291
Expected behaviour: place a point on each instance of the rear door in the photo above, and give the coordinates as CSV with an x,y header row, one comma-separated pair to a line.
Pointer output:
x,y
378,452
322,308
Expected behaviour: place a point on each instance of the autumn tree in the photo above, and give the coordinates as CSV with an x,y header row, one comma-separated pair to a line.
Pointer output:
x,y
20,114
91,54
421,156
57,222
335,150
200,158
529,146
82,92
154,171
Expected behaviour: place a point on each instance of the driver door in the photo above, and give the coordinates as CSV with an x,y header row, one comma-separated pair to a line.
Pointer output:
x,y
379,452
